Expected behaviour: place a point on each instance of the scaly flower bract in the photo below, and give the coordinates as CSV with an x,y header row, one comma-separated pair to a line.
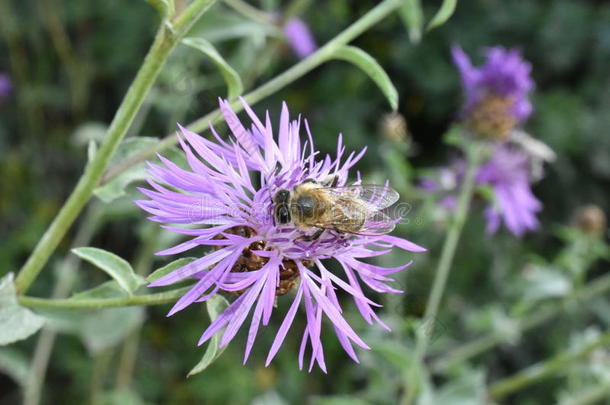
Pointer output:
x,y
227,193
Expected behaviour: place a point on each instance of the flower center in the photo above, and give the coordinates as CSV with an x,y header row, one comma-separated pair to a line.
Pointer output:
x,y
492,117
250,261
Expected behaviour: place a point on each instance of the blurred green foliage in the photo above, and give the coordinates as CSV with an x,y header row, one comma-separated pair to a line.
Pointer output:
x,y
71,62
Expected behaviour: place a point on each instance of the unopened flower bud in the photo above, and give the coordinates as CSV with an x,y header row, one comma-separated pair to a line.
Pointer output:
x,y
394,127
590,219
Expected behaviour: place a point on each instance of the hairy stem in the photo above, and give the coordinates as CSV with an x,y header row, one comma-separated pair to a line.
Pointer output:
x,y
165,40
98,303
473,155
544,314
537,372
306,65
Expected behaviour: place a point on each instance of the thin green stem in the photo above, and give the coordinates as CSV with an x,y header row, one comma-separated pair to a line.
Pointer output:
x,y
297,71
97,303
544,314
537,372
473,155
185,20
165,40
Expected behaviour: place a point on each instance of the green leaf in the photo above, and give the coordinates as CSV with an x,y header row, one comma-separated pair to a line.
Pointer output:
x,y
165,8
168,268
234,84
369,65
14,364
116,187
412,16
16,322
215,306
442,15
113,265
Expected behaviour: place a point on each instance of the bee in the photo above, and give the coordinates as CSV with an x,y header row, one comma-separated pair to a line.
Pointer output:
x,y
345,210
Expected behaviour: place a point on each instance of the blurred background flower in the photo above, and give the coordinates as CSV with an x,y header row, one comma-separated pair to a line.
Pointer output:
x,y
497,93
6,86
299,37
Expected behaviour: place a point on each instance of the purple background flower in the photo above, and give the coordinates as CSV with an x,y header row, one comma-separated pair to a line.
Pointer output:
x,y
507,172
299,37
505,73
217,194
6,86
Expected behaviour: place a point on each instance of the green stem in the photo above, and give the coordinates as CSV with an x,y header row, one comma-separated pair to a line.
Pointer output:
x,y
306,65
537,372
473,155
544,314
165,40
97,303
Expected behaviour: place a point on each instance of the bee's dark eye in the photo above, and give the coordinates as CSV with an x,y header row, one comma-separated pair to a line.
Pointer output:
x,y
305,206
282,196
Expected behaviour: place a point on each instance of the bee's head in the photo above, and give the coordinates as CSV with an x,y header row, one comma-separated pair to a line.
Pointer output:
x,y
281,211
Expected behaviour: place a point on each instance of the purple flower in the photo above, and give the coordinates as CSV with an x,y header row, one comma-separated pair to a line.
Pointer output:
x,y
227,192
496,92
6,86
508,173
299,37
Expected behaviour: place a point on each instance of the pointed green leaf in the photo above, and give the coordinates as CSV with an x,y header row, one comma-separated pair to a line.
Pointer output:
x,y
412,16
443,14
113,265
16,322
234,84
215,306
168,268
369,65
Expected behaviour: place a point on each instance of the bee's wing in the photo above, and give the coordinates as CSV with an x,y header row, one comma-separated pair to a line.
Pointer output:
x,y
362,204
375,196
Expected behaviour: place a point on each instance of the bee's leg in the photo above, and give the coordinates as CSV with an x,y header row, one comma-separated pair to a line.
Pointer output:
x,y
311,238
340,234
